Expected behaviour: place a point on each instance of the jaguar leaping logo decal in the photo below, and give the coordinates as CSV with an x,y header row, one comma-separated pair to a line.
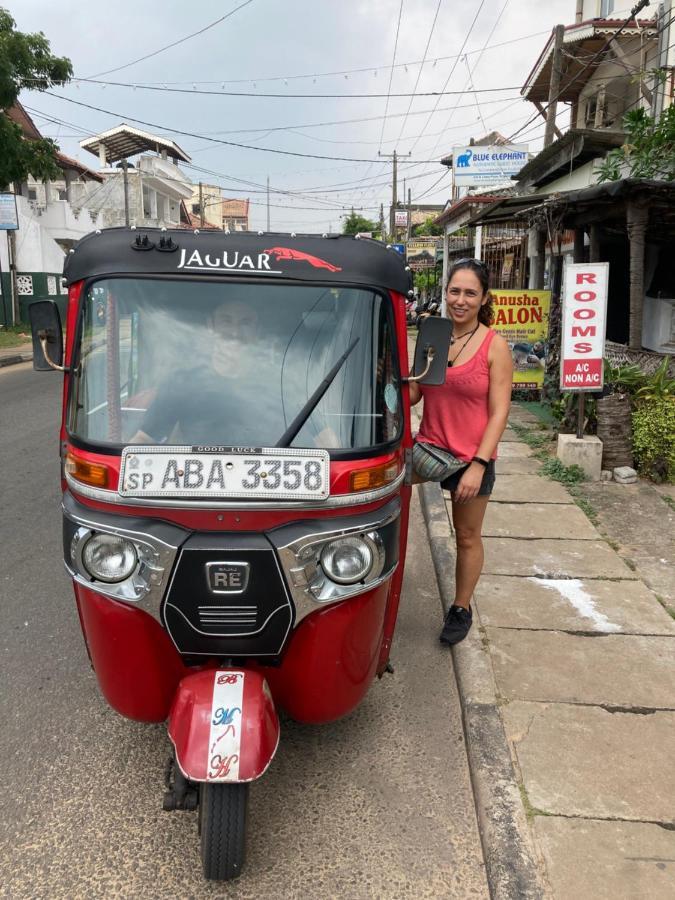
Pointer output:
x,y
287,253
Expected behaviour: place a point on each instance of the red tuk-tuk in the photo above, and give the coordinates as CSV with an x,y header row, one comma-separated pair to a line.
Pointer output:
x,y
236,471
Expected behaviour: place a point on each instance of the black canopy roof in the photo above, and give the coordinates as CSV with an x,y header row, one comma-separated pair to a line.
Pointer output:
x,y
339,259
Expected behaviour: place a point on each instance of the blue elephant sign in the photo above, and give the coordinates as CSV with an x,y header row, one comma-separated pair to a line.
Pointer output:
x,y
487,164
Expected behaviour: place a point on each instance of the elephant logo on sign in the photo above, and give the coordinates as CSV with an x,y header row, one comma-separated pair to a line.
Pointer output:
x,y
463,159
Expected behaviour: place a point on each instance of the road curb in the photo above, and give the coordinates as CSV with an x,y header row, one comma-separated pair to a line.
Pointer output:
x,y
507,846
15,360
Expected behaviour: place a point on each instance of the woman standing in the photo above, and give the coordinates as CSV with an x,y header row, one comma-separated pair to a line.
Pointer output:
x,y
467,416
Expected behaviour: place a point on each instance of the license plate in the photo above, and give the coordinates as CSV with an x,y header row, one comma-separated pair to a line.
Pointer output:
x,y
254,472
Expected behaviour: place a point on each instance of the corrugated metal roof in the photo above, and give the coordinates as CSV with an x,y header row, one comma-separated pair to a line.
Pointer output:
x,y
124,141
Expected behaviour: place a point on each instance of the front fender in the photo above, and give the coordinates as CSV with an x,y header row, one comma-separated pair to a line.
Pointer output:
x,y
223,725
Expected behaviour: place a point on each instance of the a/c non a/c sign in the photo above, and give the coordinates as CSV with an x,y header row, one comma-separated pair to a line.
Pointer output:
x,y
583,328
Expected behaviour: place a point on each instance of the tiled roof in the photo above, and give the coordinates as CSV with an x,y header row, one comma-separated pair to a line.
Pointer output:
x,y
18,114
67,162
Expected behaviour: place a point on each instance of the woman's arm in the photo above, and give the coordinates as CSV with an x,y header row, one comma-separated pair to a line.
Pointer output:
x,y
415,392
499,403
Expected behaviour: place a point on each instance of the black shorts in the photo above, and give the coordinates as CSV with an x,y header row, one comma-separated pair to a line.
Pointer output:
x,y
487,484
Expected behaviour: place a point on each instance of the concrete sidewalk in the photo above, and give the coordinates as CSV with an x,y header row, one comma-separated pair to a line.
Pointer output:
x,y
10,356
580,658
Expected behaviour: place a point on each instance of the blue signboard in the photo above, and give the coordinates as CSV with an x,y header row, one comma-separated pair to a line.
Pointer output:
x,y
399,248
9,219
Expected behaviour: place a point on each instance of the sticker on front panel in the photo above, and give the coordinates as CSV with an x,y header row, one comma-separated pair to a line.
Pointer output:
x,y
225,731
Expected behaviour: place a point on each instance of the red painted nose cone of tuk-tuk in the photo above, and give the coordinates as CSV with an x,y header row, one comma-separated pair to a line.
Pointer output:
x,y
223,725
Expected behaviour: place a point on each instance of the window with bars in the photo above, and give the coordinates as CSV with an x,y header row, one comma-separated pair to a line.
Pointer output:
x,y
504,251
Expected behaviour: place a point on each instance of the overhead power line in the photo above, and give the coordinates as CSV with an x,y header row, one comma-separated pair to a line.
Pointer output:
x,y
204,137
175,43
391,73
447,80
264,96
419,74
334,74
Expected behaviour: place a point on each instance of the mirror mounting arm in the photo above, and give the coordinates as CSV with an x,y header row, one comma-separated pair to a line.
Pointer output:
x,y
430,353
44,338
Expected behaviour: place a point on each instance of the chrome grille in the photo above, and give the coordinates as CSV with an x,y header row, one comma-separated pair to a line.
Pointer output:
x,y
227,615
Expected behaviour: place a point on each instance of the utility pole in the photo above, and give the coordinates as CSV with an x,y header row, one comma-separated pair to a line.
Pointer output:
x,y
201,205
409,229
394,191
125,178
383,233
268,202
554,84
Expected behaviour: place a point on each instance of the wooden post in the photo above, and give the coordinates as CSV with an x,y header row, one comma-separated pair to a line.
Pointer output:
x,y
554,84
579,245
637,216
594,249
540,271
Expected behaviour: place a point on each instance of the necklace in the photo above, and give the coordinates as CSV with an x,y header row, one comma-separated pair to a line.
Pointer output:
x,y
458,337
471,334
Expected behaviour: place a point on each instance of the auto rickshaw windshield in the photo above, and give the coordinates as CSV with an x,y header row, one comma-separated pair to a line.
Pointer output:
x,y
190,362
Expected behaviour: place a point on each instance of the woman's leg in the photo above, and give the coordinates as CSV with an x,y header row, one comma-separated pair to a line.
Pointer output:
x,y
467,519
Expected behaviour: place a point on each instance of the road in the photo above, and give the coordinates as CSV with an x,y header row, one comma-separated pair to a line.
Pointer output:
x,y
377,805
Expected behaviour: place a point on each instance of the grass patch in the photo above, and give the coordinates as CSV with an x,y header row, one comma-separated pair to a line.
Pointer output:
x,y
14,335
668,500
584,505
535,439
556,470
530,811
664,604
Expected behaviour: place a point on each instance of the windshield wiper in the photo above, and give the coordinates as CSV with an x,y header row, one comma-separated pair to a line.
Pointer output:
x,y
293,429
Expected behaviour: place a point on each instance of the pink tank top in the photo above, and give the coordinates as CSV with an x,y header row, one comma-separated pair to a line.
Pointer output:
x,y
456,413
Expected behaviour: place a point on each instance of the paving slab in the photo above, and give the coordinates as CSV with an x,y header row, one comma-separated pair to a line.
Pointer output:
x,y
636,517
571,668
517,465
586,761
510,449
537,520
612,860
527,488
666,490
549,558
517,414
510,435
571,605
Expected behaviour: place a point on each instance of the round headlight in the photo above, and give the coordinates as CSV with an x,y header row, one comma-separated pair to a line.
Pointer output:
x,y
109,558
347,560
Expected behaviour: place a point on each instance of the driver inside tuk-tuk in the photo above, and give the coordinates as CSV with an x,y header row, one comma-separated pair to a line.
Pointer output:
x,y
199,404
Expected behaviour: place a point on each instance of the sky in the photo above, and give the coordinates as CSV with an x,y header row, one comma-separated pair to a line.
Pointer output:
x,y
479,50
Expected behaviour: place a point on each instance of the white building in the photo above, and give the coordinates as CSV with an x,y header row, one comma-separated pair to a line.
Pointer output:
x,y
155,185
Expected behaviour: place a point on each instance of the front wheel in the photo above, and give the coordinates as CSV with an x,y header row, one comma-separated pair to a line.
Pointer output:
x,y
222,826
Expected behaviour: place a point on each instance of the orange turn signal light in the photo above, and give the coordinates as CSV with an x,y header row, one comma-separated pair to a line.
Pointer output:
x,y
94,474
377,476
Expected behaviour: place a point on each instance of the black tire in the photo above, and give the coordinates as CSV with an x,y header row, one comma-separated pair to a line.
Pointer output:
x,y
222,826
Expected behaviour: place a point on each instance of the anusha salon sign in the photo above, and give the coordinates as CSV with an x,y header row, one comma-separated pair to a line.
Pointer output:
x,y
583,329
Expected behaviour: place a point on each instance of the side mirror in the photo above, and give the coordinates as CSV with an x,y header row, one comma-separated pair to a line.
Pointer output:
x,y
45,325
431,351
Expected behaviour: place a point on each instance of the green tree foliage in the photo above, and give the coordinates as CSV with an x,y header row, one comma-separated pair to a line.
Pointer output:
x,y
427,228
354,224
649,151
25,62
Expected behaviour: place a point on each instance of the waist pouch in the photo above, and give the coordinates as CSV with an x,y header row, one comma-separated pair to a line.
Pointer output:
x,y
434,464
